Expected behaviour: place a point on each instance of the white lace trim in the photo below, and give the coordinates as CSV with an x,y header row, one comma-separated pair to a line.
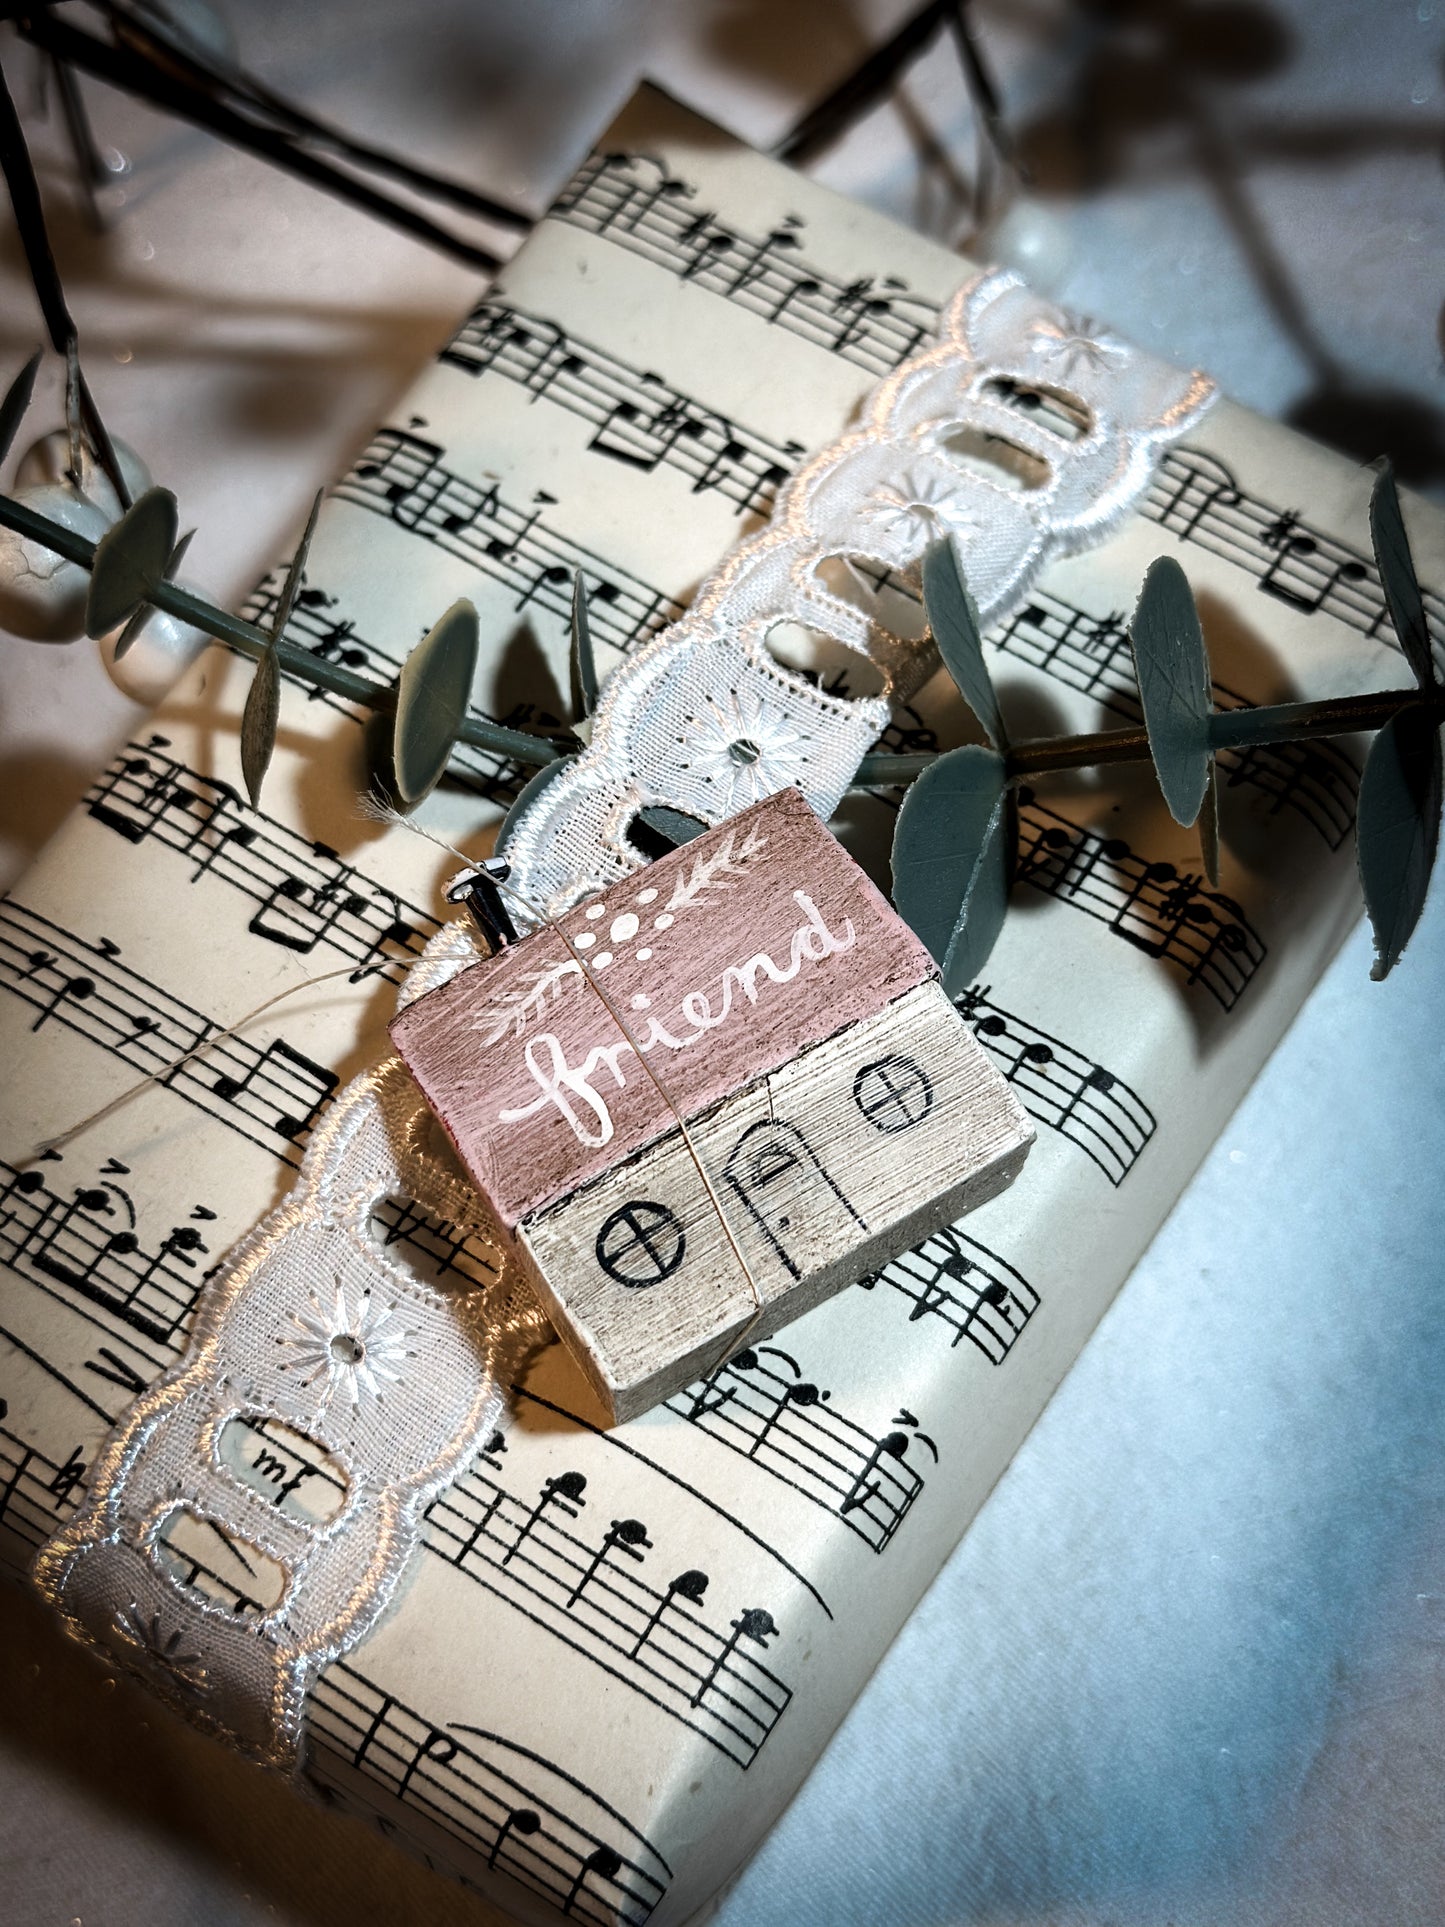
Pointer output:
x,y
312,1324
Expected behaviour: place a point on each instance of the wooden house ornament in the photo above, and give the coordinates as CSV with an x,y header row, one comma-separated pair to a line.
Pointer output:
x,y
750,1004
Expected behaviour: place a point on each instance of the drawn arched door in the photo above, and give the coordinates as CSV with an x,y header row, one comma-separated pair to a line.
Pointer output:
x,y
800,1210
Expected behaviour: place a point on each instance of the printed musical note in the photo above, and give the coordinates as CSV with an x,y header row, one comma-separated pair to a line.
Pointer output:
x,y
1150,905
628,199
637,418
1316,781
506,1803
970,1290
266,1092
403,477
760,1406
1061,1088
592,1593
306,897
1198,497
86,1247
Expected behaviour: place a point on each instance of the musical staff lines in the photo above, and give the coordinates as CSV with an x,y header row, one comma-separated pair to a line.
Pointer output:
x,y
88,1246
269,1093
640,421
632,201
1091,654
1197,497
1155,907
1061,1088
405,479
315,621
590,1593
304,894
506,1805
37,1496
984,1299
760,1406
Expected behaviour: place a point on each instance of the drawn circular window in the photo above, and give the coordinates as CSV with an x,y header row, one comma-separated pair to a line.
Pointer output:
x,y
640,1244
893,1094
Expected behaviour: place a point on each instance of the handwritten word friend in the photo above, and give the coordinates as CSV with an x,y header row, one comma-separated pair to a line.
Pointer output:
x,y
571,1088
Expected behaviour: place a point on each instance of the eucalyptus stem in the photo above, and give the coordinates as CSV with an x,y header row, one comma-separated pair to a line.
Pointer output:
x,y
250,640
1228,729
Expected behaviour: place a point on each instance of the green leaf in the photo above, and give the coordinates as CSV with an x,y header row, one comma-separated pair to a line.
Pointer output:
x,y
1209,827
527,795
1398,829
258,723
1172,666
139,617
293,574
953,860
432,694
1397,575
953,623
583,662
178,554
130,561
17,400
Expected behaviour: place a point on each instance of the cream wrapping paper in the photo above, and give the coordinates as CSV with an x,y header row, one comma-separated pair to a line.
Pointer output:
x,y
619,1653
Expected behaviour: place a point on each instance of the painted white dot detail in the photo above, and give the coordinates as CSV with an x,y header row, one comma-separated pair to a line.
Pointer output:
x,y
643,955
647,896
585,938
623,927
602,959
663,922
593,911
640,1000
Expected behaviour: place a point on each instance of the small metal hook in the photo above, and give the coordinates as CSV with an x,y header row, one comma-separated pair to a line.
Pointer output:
x,y
477,889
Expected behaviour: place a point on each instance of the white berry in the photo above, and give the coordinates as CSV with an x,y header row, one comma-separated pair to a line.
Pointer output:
x,y
42,596
163,650
48,460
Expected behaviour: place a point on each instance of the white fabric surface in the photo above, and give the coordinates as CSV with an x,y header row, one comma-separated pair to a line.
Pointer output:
x,y
1187,1665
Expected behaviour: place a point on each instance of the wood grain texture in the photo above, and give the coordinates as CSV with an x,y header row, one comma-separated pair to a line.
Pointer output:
x,y
719,963
853,1151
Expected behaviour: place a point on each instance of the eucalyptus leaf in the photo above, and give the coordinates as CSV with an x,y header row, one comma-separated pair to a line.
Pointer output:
x,y
293,574
1398,829
432,694
1397,576
258,723
137,621
17,400
1172,666
130,561
953,860
1209,826
583,662
527,795
953,624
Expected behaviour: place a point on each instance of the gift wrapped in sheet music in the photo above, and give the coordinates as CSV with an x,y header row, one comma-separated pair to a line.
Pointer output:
x,y
614,1653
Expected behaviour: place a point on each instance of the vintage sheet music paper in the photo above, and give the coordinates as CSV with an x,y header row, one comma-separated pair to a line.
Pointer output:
x,y
618,1653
